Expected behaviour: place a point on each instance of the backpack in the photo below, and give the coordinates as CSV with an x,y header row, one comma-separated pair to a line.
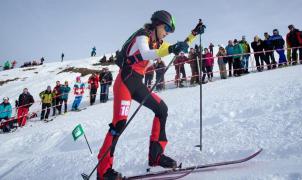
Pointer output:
x,y
122,58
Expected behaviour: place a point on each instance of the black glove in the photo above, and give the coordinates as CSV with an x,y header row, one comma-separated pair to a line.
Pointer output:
x,y
199,29
178,47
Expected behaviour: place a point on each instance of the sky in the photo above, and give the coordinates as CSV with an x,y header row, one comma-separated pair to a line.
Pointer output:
x,y
31,29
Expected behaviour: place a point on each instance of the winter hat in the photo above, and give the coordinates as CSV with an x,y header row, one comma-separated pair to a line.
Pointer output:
x,y
235,41
48,87
78,78
276,31
291,26
5,98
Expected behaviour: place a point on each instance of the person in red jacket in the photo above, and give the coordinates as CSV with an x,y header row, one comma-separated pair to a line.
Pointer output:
x,y
24,102
93,82
294,40
139,51
57,100
209,63
179,64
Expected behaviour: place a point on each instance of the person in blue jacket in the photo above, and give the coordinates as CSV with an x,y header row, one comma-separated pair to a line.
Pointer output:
x,y
230,51
278,43
6,113
65,89
78,90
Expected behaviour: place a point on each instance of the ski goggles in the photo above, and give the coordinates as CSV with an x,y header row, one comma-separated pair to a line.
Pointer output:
x,y
168,29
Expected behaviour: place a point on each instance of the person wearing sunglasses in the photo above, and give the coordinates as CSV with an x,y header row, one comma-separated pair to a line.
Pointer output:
x,y
136,55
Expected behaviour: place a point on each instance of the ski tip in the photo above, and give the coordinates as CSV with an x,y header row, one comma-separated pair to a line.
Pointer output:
x,y
85,176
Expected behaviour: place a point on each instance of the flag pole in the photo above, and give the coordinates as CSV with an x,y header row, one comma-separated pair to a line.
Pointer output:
x,y
87,143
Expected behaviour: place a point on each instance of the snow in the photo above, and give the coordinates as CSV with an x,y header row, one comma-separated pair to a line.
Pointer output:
x,y
240,115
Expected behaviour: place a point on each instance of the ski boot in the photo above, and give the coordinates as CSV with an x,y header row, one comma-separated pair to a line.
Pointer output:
x,y
110,174
165,162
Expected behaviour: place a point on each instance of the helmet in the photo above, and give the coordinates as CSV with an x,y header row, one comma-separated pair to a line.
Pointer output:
x,y
163,17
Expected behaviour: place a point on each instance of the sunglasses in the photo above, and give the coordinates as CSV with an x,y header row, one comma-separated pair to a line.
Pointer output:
x,y
168,29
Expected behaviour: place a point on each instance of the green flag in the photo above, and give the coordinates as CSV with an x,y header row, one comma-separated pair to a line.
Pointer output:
x,y
77,132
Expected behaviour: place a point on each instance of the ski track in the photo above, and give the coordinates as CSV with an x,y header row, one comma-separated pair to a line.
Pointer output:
x,y
240,115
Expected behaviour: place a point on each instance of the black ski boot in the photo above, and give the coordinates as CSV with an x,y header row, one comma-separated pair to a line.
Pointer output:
x,y
111,174
167,162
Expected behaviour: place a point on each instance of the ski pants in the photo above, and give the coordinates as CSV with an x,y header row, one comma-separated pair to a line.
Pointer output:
x,y
245,62
104,92
64,101
76,102
127,86
93,95
282,58
45,107
22,115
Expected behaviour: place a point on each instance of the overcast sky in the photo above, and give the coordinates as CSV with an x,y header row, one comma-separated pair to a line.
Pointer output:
x,y
31,29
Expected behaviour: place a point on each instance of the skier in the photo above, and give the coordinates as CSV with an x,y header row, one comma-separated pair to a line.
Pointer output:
x,y
105,81
211,47
144,45
62,57
24,102
46,97
78,90
278,43
93,82
65,89
93,52
57,100
294,40
6,65
6,114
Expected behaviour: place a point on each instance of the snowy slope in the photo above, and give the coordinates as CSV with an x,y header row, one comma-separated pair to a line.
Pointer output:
x,y
239,116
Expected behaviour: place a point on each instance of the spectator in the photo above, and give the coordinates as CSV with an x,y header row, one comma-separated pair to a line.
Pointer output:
x,y
65,89
180,69
211,46
246,56
294,40
278,43
93,52
105,82
42,60
222,60
103,59
93,82
62,57
237,51
230,51
5,115
34,63
194,66
6,65
160,74
209,63
269,50
78,90
14,62
46,98
57,100
149,76
23,104
258,47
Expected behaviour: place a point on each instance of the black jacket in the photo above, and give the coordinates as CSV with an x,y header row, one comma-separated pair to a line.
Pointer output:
x,y
105,77
258,46
25,100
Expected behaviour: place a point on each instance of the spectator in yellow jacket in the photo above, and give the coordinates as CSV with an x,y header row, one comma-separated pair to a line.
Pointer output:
x,y
47,97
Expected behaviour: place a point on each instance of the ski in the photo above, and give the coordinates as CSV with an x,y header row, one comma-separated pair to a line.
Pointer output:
x,y
188,170
46,121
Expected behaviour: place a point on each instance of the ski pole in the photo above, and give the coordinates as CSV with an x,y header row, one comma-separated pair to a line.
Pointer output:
x,y
87,177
